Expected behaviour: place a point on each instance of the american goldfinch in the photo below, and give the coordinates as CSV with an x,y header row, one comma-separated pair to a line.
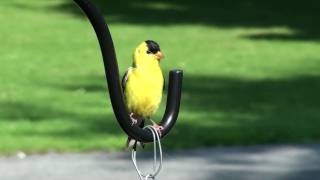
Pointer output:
x,y
143,85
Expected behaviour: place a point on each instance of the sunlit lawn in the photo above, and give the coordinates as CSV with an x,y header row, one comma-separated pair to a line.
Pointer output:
x,y
242,86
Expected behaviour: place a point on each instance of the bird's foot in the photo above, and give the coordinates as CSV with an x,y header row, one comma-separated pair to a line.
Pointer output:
x,y
157,127
133,120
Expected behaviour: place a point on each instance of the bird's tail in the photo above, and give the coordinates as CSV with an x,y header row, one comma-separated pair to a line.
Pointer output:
x,y
133,144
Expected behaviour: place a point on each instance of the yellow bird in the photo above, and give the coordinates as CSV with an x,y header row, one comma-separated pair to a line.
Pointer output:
x,y
143,85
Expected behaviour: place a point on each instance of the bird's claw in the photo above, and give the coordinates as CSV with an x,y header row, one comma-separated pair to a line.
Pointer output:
x,y
158,128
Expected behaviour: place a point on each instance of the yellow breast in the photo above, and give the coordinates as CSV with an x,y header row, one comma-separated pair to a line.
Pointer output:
x,y
144,90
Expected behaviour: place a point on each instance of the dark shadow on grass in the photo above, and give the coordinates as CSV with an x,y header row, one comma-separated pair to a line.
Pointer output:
x,y
88,84
300,16
280,36
86,128
83,124
233,111
240,95
248,111
24,111
214,111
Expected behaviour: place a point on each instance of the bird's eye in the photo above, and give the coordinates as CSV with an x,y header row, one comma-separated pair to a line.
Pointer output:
x,y
148,52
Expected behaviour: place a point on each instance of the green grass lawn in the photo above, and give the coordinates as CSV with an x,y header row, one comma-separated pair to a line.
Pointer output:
x,y
252,72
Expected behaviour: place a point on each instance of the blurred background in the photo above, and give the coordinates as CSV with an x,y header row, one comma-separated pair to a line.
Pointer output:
x,y
252,72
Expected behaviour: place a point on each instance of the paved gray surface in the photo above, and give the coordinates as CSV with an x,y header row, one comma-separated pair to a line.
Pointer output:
x,y
283,162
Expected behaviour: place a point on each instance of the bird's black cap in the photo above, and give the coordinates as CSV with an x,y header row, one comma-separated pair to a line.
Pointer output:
x,y
153,47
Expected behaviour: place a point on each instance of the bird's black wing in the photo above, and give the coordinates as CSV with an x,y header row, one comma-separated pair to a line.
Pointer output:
x,y
125,79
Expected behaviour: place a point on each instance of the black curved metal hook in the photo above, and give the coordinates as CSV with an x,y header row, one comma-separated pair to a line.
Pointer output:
x,y
113,79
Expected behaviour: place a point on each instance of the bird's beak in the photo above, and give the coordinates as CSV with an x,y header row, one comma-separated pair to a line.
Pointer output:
x,y
159,55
